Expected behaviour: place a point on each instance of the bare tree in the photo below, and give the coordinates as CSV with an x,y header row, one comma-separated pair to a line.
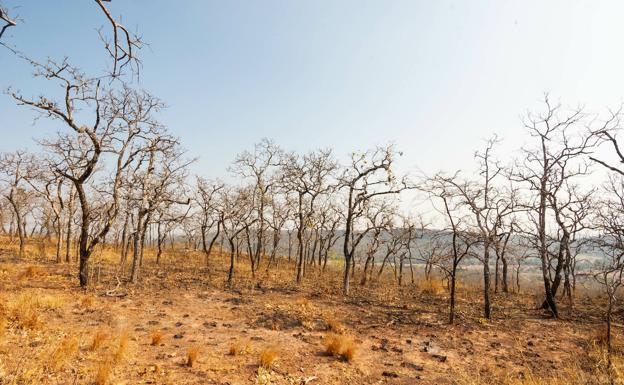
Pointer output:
x,y
556,157
306,177
15,170
369,175
158,178
206,198
259,166
488,204
609,271
462,241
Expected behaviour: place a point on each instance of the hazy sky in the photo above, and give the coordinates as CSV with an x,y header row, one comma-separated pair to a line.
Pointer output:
x,y
435,77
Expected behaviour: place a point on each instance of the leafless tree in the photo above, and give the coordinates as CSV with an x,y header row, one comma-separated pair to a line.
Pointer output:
x,y
442,189
158,178
561,142
368,175
488,203
260,167
206,198
236,212
609,271
15,170
306,177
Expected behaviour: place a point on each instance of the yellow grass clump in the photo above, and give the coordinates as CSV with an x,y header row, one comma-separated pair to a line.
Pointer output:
x,y
122,348
64,352
237,348
340,345
191,356
268,357
431,286
103,372
98,340
156,337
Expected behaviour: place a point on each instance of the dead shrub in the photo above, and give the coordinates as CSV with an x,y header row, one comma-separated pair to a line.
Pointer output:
x,y
339,345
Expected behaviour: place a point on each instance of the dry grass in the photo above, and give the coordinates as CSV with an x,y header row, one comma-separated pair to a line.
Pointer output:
x,y
87,302
30,272
237,348
98,340
342,346
103,372
593,369
156,337
431,286
122,347
64,352
334,325
268,357
303,301
191,356
600,337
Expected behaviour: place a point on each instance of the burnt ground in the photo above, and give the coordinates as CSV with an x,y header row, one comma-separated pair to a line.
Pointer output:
x,y
401,334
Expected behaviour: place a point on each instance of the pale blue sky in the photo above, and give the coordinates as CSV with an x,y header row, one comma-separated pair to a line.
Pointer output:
x,y
435,77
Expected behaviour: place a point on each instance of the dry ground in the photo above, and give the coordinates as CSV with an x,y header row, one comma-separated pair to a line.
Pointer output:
x,y
181,325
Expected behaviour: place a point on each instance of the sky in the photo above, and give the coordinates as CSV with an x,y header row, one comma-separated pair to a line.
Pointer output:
x,y
437,78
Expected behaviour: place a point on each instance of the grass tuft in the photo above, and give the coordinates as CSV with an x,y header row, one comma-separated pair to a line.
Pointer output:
x,y
268,357
98,340
342,346
191,356
120,353
64,352
103,372
156,337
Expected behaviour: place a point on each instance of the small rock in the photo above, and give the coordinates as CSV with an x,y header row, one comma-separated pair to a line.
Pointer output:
x,y
390,374
413,366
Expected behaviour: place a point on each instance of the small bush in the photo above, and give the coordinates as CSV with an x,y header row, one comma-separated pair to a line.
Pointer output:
x,y
268,357
340,346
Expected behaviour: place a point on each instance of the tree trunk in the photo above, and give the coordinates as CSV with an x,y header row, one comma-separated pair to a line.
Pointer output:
x,y
486,280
